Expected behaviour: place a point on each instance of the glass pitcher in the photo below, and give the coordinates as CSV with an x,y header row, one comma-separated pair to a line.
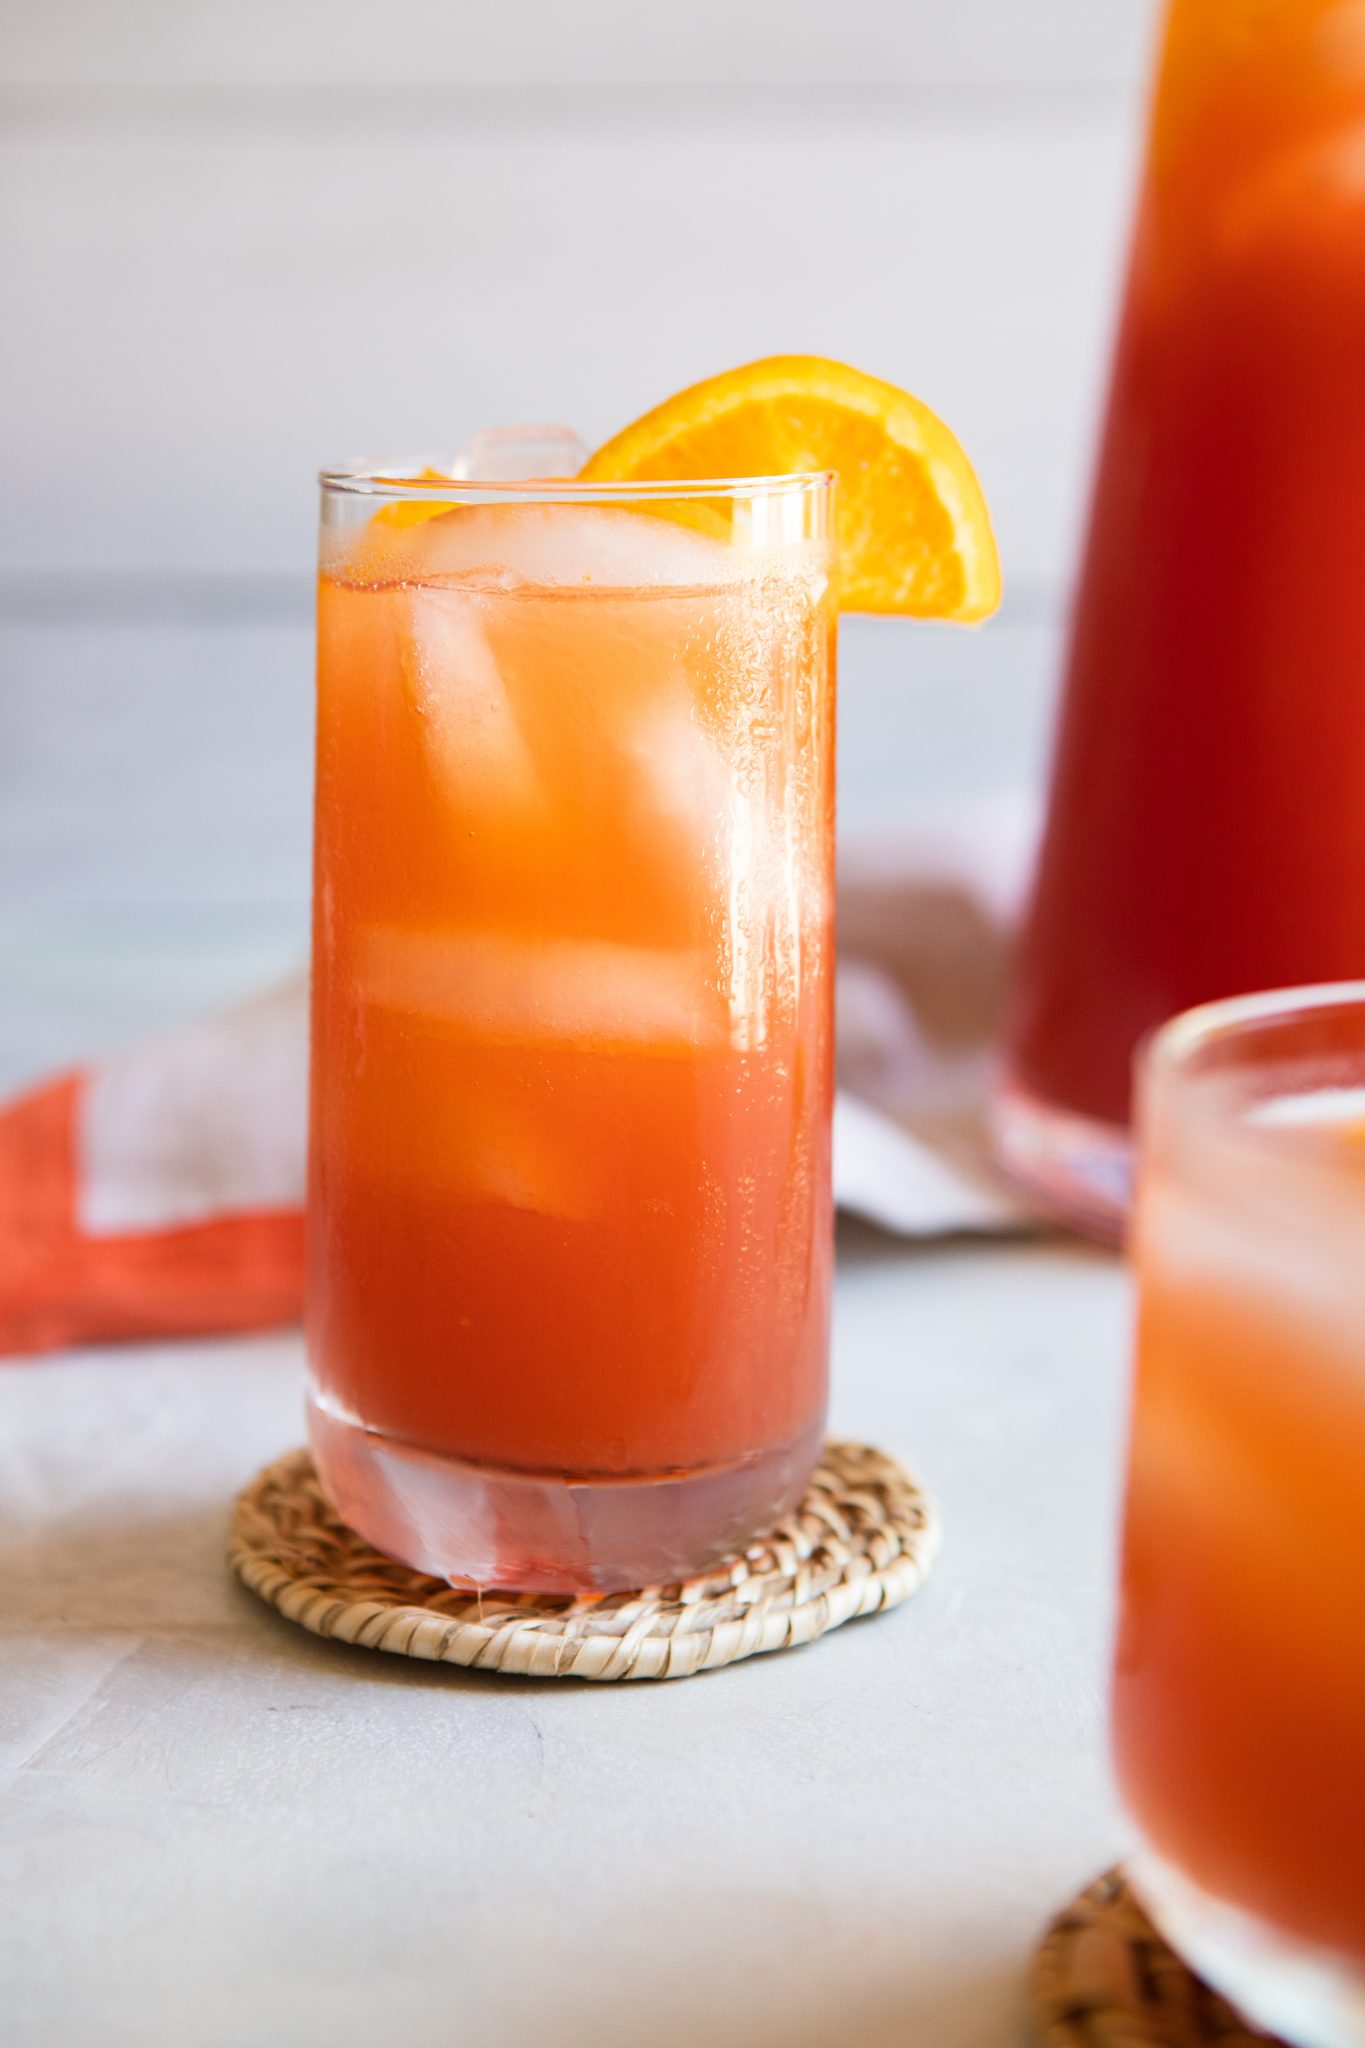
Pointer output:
x,y
1206,830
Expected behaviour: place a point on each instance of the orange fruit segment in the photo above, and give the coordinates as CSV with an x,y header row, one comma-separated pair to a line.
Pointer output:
x,y
402,512
913,530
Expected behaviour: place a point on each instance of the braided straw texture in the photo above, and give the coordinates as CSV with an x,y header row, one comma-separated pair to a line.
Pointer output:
x,y
1104,1978
862,1539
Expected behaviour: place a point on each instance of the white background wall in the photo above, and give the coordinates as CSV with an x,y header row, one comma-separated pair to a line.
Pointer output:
x,y
242,240
238,241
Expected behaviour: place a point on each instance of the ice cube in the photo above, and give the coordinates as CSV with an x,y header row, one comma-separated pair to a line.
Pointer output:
x,y
680,779
468,724
508,454
572,546
1341,1110
500,1152
594,995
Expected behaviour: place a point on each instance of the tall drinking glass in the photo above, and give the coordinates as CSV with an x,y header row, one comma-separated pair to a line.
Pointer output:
x,y
1206,833
569,1214
1239,1703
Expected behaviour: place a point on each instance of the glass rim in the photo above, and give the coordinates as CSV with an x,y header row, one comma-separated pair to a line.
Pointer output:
x,y
397,482
1174,1044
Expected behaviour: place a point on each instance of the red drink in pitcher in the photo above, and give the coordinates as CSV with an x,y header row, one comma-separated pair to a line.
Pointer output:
x,y
1206,833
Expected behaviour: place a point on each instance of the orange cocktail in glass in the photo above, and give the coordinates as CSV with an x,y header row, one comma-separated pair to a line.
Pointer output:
x,y
1206,832
1239,1708
569,1204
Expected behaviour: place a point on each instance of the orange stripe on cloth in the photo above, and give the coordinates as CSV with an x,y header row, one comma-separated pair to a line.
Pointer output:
x,y
60,1285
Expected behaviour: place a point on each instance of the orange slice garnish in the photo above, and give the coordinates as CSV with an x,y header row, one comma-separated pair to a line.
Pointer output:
x,y
415,511
913,531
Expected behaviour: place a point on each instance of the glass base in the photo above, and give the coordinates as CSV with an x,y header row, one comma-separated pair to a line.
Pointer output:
x,y
1308,1997
484,1525
1072,1167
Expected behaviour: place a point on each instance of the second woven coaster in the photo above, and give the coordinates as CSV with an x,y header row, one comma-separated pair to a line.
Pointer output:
x,y
1104,1978
862,1539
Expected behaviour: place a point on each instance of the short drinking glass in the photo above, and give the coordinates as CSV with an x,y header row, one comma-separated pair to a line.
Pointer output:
x,y
1239,1706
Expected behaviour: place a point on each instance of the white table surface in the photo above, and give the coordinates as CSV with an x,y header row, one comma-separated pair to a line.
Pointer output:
x,y
217,1830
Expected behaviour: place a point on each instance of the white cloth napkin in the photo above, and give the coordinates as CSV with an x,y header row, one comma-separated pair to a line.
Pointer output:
x,y
926,918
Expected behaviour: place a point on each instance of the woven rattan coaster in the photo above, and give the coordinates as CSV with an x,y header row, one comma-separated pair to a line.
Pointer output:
x,y
862,1539
1104,1978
